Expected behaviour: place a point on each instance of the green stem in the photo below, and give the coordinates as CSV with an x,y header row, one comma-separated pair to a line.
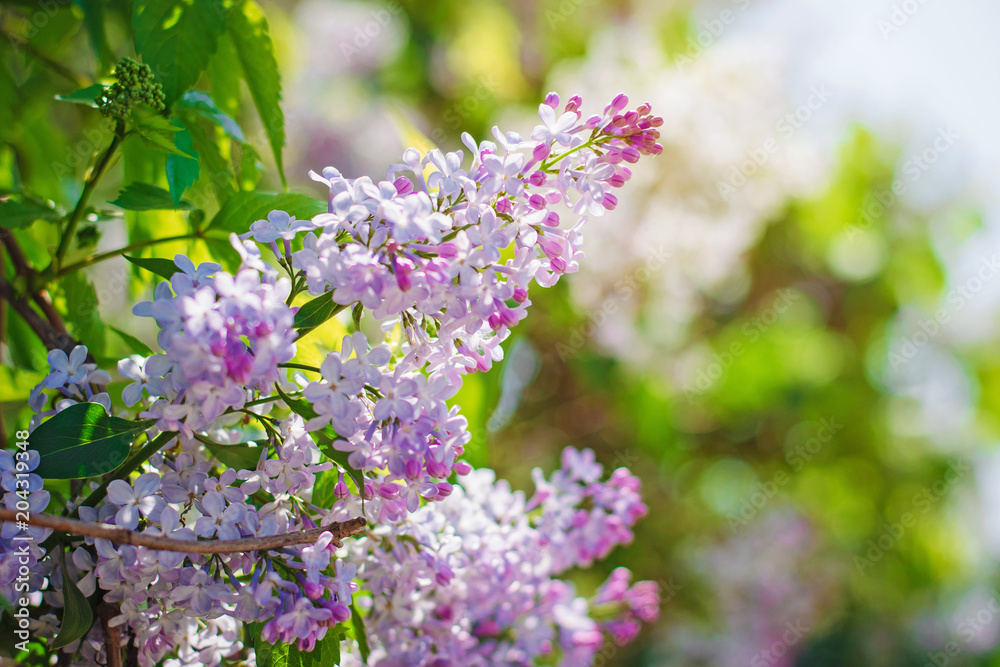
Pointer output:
x,y
547,164
88,188
102,256
130,466
301,367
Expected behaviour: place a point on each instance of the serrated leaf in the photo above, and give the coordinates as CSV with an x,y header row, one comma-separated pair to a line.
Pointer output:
x,y
146,197
216,167
240,457
86,96
326,653
83,441
360,633
177,39
77,616
315,312
134,345
249,33
182,171
203,105
157,132
245,208
19,211
161,267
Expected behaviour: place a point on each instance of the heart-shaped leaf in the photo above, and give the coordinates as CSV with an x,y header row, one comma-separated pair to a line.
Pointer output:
x,y
83,441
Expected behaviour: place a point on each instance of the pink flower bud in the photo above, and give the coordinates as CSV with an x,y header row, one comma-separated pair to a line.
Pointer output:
x,y
552,100
403,185
610,201
541,152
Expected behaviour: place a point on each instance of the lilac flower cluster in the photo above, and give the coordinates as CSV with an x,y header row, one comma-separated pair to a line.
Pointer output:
x,y
471,580
446,257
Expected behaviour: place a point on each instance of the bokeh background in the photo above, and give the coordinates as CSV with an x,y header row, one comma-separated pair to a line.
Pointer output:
x,y
788,329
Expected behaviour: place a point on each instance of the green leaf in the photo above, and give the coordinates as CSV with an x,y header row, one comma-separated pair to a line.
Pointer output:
x,y
245,208
135,346
326,653
315,312
83,441
157,132
161,267
93,19
26,350
82,312
358,623
182,172
146,197
203,105
19,211
216,167
249,33
177,39
240,457
77,616
85,96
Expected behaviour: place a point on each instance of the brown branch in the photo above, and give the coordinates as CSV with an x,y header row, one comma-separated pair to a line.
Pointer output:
x,y
51,337
340,530
112,633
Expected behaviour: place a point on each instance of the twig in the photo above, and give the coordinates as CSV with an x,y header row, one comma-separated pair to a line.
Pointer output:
x,y
112,633
51,337
93,176
339,529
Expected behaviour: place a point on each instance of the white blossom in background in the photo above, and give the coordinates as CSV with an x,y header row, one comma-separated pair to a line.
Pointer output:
x,y
687,233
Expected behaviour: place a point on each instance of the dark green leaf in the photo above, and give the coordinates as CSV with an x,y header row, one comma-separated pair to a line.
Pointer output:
x,y
356,314
161,267
146,197
240,457
19,211
85,96
135,346
83,441
315,312
77,616
177,39
249,33
245,208
360,633
93,19
203,105
214,166
299,406
326,653
182,172
224,76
